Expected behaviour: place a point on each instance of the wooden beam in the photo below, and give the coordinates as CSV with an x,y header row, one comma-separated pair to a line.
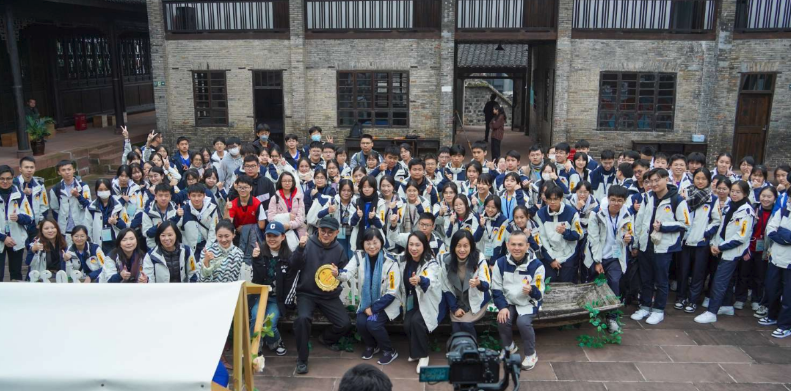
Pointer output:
x,y
141,8
23,144
642,35
467,36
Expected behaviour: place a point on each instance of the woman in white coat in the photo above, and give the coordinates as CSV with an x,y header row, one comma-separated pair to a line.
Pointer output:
x,y
170,261
465,282
106,216
376,275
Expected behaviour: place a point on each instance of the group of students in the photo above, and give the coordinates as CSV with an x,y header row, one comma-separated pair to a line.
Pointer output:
x,y
424,238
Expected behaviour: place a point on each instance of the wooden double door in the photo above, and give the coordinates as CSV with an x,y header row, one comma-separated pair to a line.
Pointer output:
x,y
752,116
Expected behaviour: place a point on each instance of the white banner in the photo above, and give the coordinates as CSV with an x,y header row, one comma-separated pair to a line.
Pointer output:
x,y
109,337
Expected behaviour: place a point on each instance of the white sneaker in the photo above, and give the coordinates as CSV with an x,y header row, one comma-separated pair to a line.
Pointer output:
x,y
512,349
739,305
755,306
655,318
640,314
423,362
706,317
613,325
530,362
725,310
410,359
705,302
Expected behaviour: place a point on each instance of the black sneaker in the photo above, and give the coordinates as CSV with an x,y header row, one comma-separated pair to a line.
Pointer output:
x,y
388,357
679,305
331,346
691,308
302,367
369,353
280,350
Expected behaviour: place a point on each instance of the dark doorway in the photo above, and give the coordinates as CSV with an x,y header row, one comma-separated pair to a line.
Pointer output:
x,y
268,102
752,115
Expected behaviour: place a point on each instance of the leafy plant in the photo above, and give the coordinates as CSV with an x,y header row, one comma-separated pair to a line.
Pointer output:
x,y
37,128
490,338
433,345
602,336
600,280
547,288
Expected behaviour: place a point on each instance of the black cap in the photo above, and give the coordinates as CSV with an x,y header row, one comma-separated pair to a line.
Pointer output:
x,y
329,222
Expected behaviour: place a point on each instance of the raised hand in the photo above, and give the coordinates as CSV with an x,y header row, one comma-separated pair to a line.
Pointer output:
x,y
125,274
657,225
208,256
151,136
180,211
393,220
475,282
65,255
257,250
303,241
414,280
124,132
75,191
332,208
382,166
334,270
371,214
13,216
112,220
37,246
560,228
483,221
526,289
142,278
359,212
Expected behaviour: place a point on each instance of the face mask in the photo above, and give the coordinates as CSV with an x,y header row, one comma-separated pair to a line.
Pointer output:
x,y
552,157
264,138
546,177
105,194
234,151
315,137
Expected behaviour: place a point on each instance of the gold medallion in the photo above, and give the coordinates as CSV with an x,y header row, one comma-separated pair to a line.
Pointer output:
x,y
325,280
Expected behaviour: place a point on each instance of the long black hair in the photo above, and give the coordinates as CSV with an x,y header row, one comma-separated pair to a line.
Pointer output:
x,y
453,260
427,253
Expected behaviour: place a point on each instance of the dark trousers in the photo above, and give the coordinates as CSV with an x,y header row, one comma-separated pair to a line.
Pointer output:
x,y
630,283
14,263
373,332
714,261
332,308
495,149
486,129
417,332
613,271
467,327
567,273
696,261
722,285
654,269
751,275
778,284
585,274
525,325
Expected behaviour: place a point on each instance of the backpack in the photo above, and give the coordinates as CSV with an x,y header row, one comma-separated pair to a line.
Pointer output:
x,y
356,131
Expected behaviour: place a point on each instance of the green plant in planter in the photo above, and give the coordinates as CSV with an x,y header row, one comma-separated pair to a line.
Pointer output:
x,y
598,319
37,128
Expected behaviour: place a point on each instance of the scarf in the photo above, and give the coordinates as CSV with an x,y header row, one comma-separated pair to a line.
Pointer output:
x,y
697,197
732,208
372,282
288,201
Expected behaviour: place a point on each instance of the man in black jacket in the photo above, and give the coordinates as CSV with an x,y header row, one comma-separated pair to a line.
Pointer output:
x,y
488,114
318,260
263,188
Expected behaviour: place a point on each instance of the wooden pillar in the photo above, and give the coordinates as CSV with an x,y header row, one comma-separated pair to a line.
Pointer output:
x,y
118,77
23,144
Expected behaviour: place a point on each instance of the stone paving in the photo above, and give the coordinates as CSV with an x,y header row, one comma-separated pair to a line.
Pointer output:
x,y
734,354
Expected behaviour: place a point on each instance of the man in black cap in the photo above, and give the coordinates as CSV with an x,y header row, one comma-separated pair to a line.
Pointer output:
x,y
318,260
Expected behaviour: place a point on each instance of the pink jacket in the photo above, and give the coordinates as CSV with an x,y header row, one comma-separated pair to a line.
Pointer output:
x,y
278,206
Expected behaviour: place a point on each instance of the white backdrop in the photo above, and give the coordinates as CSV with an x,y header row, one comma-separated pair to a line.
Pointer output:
x,y
113,336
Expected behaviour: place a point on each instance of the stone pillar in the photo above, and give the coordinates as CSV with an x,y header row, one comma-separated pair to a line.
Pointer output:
x,y
119,103
563,60
447,71
726,78
156,34
11,36
296,108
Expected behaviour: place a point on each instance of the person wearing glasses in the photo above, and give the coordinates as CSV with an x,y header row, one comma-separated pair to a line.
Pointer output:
x,y
16,215
262,188
319,260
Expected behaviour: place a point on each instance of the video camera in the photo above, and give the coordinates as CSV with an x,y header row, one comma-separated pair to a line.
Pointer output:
x,y
473,368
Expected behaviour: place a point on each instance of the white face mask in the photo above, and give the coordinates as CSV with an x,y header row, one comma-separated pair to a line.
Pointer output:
x,y
234,151
551,157
546,177
104,194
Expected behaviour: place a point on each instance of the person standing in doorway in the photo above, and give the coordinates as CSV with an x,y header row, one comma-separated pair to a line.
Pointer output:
x,y
488,114
497,125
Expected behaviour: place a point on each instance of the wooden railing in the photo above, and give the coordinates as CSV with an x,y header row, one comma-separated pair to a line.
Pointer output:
x,y
763,16
372,15
222,16
660,16
504,15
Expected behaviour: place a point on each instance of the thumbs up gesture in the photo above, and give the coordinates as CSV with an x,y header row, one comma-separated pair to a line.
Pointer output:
x,y
371,214
394,220
75,191
143,278
334,270
125,273
303,241
208,256
112,220
475,282
257,250
483,221
359,212
414,280
332,207
66,256
180,211
13,216
382,166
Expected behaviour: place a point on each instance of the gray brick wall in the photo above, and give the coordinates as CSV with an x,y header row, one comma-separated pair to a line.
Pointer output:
x,y
476,94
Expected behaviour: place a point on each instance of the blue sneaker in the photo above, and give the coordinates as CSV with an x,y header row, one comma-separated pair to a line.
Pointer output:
x,y
780,333
388,357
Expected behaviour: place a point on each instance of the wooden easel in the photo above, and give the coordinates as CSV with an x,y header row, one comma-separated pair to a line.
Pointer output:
x,y
242,351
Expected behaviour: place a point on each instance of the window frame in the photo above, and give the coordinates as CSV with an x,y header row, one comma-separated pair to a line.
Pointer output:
x,y
617,111
210,76
405,76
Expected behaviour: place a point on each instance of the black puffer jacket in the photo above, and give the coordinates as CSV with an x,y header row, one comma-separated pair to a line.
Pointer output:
x,y
282,280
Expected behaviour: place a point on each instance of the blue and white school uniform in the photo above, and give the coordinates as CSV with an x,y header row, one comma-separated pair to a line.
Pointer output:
x,y
470,223
91,260
733,240
99,229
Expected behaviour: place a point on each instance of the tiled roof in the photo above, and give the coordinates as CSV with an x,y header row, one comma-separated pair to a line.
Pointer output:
x,y
480,55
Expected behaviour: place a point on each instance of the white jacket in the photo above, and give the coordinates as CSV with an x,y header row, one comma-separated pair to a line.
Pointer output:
x,y
555,246
598,225
95,224
674,223
198,225
152,218
428,301
156,269
479,298
64,205
354,274
705,223
738,232
778,230
40,199
508,278
17,203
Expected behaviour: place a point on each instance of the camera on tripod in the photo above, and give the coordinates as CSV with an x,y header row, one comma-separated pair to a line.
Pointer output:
x,y
473,368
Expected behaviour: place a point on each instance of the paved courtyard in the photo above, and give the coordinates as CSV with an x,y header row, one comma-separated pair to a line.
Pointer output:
x,y
734,354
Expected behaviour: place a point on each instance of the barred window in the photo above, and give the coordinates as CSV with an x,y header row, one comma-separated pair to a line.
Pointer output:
x,y
631,101
211,98
376,99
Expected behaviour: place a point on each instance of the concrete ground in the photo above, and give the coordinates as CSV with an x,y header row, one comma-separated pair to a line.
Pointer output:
x,y
734,354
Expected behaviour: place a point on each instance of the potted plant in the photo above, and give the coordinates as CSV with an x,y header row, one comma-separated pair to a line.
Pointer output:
x,y
38,130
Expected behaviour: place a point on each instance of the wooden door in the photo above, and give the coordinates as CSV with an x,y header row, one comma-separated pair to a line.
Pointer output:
x,y
752,122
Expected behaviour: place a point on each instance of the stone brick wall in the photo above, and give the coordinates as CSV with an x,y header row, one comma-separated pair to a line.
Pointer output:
x,y
476,94
541,112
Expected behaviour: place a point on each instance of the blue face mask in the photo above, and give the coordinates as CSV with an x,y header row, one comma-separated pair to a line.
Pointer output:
x,y
315,137
264,138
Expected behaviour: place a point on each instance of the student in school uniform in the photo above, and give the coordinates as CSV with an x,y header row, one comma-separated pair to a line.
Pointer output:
x,y
549,175
610,237
90,255
377,277
15,215
559,231
463,217
583,202
425,224
603,176
69,198
465,279
731,242
512,195
518,283
759,256
170,261
495,225
414,205
35,192
198,220
391,166
106,216
158,211
778,273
